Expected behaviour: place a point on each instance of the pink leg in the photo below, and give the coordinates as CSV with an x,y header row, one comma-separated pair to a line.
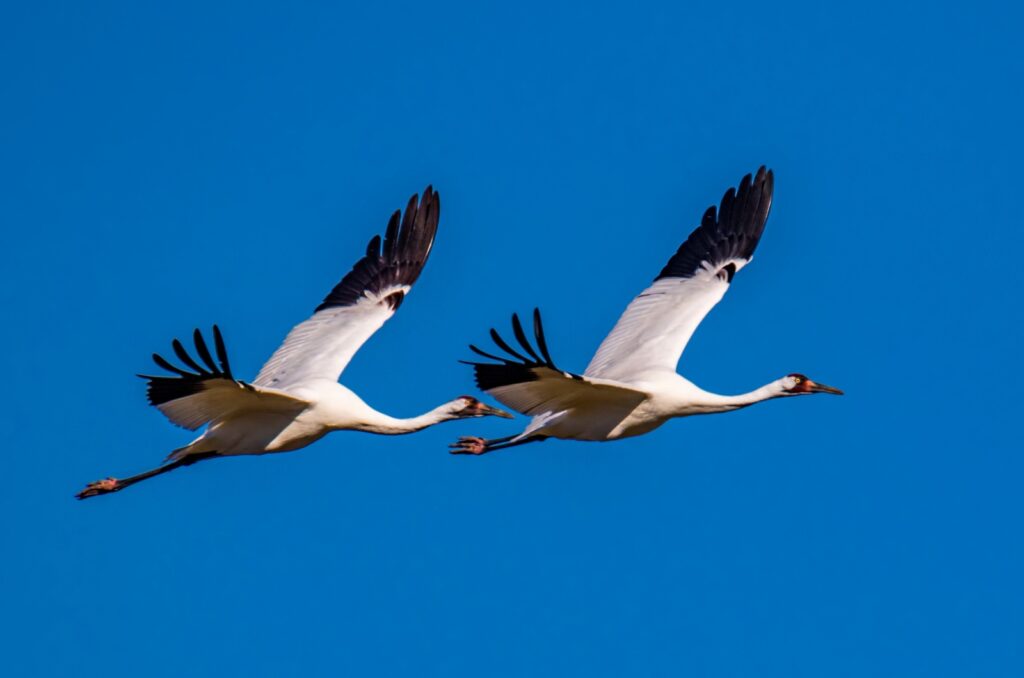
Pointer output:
x,y
108,485
477,446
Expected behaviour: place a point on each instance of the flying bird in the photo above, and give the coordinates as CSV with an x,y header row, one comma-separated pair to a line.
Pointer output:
x,y
631,386
296,398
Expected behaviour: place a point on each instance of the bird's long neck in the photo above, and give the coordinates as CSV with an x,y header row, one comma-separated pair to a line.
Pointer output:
x,y
386,425
712,402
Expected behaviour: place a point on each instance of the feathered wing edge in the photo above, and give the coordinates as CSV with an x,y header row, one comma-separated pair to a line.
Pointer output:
x,y
731,232
520,369
163,389
655,327
210,391
322,345
396,261
530,382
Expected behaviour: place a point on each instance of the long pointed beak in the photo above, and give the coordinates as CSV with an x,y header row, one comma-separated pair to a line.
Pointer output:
x,y
822,388
487,409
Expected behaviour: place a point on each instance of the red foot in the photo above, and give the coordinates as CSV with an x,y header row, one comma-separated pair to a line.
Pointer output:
x,y
104,486
468,445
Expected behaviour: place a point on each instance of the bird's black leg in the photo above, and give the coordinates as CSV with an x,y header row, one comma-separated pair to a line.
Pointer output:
x,y
478,446
109,485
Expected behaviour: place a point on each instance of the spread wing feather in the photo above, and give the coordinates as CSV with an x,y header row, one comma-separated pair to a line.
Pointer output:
x,y
322,346
652,333
191,399
531,384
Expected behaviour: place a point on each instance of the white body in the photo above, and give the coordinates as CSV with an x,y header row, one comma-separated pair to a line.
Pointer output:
x,y
665,398
331,407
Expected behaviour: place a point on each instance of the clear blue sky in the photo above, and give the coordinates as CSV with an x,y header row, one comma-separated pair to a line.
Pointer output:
x,y
164,168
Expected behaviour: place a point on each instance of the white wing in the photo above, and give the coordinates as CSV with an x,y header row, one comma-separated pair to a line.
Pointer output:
x,y
654,329
220,399
210,391
531,384
360,304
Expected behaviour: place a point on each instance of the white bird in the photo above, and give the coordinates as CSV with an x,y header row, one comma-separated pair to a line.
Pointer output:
x,y
631,385
296,398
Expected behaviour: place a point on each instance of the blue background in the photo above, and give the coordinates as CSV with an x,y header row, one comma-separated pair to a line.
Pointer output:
x,y
165,168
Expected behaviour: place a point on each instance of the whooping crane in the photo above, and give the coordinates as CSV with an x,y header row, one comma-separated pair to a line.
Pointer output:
x,y
296,398
631,385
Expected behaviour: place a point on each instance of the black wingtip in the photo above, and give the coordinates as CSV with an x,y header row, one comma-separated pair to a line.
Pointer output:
x,y
542,344
517,330
373,247
397,259
162,389
183,356
506,372
487,355
222,351
504,346
204,351
730,232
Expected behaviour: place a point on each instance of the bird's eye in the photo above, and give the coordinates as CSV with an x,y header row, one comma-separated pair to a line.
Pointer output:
x,y
797,379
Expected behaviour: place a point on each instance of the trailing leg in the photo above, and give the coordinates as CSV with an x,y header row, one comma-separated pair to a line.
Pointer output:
x,y
109,485
477,446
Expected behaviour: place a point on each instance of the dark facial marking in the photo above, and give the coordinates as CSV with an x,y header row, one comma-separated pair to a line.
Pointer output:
x,y
803,384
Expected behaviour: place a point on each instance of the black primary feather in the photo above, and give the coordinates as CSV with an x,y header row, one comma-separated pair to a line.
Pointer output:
x,y
397,260
520,370
203,351
163,389
184,357
731,233
222,351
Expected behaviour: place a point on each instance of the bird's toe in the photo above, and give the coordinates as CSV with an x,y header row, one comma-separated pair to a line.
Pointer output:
x,y
468,445
99,487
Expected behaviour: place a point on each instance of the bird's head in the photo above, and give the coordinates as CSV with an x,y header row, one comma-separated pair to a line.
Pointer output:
x,y
798,384
465,407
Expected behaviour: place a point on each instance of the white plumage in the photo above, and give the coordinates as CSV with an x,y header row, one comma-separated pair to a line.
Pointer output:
x,y
296,398
631,385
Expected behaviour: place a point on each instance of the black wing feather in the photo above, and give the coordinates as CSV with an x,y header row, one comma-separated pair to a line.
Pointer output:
x,y
489,356
164,363
203,351
407,242
503,345
184,357
222,351
489,375
163,389
517,329
731,233
538,332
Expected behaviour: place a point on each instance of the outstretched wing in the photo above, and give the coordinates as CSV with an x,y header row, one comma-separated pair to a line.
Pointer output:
x,y
654,329
531,384
193,398
361,303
